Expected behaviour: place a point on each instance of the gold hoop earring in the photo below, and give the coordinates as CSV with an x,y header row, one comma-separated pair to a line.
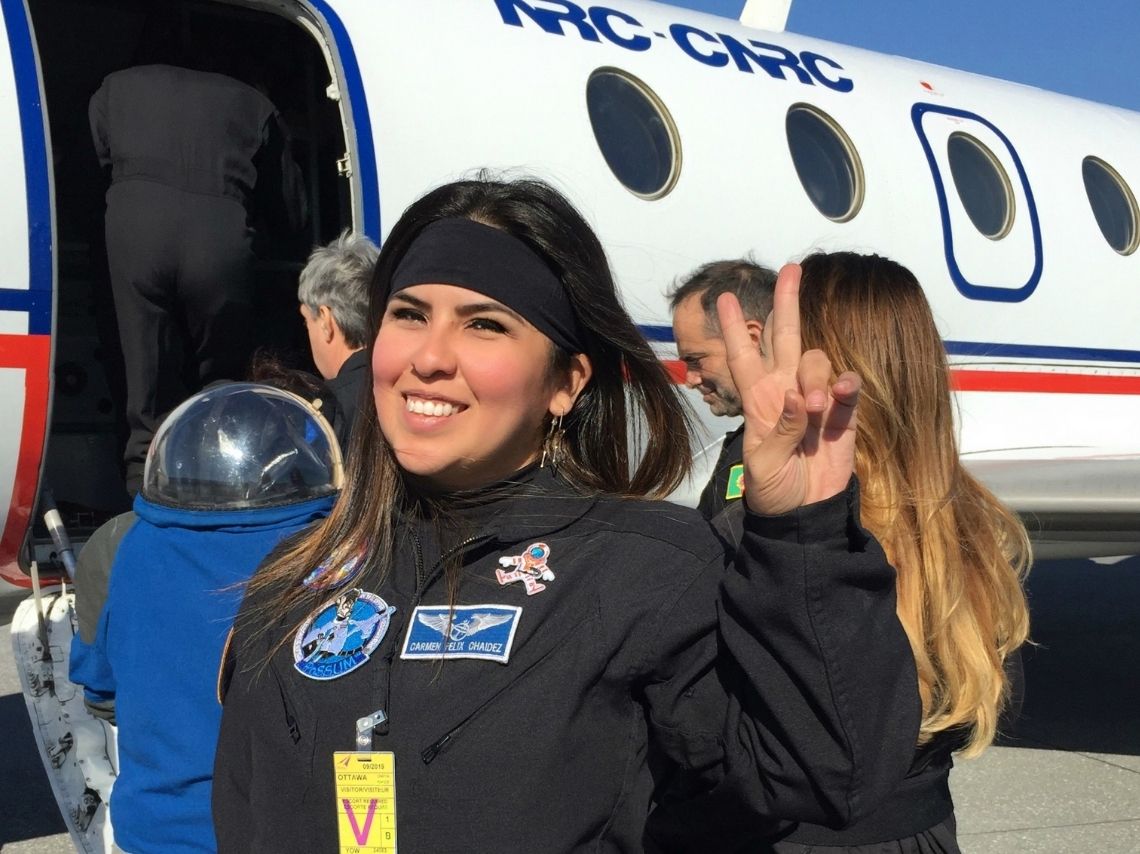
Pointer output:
x,y
552,445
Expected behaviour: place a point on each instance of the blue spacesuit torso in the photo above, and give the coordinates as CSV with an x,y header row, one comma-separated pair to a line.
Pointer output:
x,y
175,587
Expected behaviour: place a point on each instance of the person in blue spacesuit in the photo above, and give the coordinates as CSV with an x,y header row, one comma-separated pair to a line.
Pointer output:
x,y
232,472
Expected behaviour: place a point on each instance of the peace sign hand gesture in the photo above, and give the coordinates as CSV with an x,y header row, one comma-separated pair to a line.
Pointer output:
x,y
799,428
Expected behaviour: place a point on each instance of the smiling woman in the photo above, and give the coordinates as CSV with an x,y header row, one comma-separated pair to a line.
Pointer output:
x,y
464,386
524,621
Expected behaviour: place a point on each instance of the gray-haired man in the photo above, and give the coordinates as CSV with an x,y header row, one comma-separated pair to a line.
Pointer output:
x,y
333,293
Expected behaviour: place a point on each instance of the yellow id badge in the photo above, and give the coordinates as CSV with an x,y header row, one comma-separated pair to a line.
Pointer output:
x,y
366,801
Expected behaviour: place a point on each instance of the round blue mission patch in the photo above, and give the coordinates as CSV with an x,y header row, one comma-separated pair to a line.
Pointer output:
x,y
341,635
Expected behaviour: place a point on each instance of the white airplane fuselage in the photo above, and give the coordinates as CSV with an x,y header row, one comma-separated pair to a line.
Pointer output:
x,y
1039,324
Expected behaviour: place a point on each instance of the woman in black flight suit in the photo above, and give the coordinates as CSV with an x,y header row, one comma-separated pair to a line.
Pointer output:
x,y
536,657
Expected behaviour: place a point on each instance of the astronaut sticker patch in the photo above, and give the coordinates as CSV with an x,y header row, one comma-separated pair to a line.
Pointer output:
x,y
341,635
471,631
528,568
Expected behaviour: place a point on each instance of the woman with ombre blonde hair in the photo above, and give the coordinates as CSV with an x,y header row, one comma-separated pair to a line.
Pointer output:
x,y
961,555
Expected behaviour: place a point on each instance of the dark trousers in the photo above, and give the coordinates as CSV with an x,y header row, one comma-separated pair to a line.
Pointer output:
x,y
181,271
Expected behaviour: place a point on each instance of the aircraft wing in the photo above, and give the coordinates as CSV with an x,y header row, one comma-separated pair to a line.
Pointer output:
x,y
1073,506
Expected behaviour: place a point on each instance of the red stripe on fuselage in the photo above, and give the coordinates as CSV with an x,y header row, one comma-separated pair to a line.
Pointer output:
x,y
1044,383
1024,382
32,353
676,369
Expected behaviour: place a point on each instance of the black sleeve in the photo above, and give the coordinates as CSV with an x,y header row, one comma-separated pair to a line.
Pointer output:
x,y
233,759
280,192
714,497
814,678
729,524
97,117
246,691
250,692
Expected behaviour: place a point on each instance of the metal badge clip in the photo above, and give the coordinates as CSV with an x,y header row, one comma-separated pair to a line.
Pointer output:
x,y
365,726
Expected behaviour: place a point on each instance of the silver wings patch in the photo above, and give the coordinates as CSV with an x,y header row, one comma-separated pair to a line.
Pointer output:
x,y
472,625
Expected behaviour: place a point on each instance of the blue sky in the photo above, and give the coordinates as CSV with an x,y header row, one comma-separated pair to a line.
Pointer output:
x,y
1085,49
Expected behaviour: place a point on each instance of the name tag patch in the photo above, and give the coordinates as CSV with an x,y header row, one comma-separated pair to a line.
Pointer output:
x,y
471,631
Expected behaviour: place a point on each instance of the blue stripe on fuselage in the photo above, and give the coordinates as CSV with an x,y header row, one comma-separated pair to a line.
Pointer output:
x,y
364,156
664,334
36,301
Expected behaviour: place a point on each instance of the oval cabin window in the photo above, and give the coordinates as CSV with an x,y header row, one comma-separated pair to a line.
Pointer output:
x,y
826,162
1112,204
635,133
982,184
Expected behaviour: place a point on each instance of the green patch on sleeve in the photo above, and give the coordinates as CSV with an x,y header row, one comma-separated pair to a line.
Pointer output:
x,y
735,482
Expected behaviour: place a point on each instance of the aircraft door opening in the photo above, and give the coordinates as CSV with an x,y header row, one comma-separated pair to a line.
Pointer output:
x,y
80,42
990,228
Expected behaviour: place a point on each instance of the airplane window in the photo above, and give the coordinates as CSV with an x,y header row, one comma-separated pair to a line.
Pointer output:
x,y
983,185
1113,205
635,133
826,162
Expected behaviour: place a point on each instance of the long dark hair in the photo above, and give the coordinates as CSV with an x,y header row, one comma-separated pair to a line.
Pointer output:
x,y
629,401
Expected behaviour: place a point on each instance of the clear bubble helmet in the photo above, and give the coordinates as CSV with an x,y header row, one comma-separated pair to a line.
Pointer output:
x,y
242,446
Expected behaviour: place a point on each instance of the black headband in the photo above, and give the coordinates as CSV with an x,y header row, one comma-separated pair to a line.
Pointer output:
x,y
471,255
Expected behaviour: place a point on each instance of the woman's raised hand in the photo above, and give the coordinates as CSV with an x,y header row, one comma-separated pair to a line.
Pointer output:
x,y
799,427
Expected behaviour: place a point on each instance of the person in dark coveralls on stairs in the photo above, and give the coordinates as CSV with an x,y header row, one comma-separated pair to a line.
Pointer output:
x,y
700,346
543,652
193,155
230,473
333,292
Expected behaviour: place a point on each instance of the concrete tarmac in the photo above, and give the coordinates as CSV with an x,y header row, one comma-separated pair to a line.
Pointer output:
x,y
1065,779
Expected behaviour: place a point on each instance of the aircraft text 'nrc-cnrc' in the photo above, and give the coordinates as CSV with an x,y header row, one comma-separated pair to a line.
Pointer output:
x,y
719,50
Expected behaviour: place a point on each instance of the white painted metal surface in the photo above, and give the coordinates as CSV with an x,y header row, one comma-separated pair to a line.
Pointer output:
x,y
78,750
